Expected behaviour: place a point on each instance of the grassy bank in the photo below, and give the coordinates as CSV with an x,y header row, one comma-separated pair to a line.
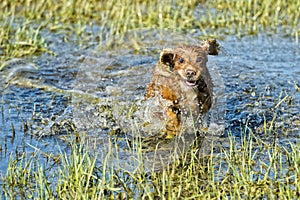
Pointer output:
x,y
24,24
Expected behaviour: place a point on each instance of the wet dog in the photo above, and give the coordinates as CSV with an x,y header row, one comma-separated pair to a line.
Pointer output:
x,y
183,84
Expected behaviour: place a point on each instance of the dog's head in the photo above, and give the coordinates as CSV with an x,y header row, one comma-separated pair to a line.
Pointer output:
x,y
189,62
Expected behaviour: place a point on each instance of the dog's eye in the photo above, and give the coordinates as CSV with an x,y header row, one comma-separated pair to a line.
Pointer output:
x,y
181,60
198,59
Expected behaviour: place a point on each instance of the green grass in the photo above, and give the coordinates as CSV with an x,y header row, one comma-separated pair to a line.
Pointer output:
x,y
20,40
22,23
250,168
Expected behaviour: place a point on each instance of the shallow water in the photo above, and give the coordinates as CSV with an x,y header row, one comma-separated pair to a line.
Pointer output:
x,y
101,89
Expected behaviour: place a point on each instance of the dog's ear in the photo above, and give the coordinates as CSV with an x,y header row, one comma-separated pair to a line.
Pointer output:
x,y
211,46
167,58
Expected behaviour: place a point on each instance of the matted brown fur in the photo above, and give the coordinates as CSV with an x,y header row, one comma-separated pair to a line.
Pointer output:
x,y
182,79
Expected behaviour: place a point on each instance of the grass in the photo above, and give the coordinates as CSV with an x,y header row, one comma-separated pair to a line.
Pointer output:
x,y
20,40
24,23
250,168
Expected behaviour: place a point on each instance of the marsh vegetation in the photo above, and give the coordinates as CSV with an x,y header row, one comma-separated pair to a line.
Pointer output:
x,y
91,60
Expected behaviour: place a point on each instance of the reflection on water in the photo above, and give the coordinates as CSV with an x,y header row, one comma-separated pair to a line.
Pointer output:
x,y
99,92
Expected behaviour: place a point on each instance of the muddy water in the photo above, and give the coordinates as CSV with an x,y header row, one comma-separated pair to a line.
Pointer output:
x,y
98,91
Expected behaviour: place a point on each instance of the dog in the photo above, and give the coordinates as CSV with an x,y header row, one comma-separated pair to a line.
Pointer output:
x,y
183,84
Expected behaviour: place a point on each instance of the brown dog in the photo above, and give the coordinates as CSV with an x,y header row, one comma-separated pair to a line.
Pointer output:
x,y
182,80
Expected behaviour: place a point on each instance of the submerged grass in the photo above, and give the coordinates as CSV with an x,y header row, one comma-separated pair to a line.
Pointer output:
x,y
24,24
249,168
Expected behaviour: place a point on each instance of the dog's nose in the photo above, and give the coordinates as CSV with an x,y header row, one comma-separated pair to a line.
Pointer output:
x,y
190,73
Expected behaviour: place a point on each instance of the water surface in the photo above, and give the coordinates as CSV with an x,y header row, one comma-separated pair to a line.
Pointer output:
x,y
100,90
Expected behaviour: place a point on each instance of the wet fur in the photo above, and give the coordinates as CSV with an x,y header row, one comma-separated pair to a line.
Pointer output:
x,y
182,79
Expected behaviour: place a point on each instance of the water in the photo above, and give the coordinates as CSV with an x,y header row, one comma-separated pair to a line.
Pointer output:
x,y
264,70
100,90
